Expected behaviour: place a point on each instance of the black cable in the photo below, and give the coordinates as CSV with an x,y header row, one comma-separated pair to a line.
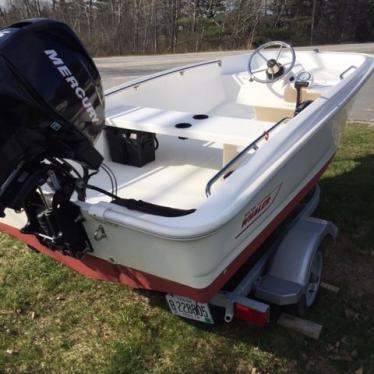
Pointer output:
x,y
98,189
113,175
110,178
92,174
113,188
156,142
87,176
68,165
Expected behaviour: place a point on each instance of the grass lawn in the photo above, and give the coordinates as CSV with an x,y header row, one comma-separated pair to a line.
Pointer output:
x,y
55,321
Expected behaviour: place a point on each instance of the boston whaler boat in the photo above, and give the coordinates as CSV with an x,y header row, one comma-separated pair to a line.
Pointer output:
x,y
183,177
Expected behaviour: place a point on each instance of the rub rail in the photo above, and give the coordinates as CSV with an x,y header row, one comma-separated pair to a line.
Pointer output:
x,y
231,163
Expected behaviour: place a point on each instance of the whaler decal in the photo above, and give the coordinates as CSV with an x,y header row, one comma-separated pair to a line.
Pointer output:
x,y
258,210
73,83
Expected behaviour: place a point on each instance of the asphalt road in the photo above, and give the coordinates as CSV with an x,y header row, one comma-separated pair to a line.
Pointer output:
x,y
120,69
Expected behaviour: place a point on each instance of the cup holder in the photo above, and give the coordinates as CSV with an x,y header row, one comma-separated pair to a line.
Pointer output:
x,y
183,125
200,116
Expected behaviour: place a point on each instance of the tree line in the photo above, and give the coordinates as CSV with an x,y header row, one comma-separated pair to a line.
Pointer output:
x,y
118,27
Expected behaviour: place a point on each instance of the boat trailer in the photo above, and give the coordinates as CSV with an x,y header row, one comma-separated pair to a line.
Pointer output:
x,y
288,273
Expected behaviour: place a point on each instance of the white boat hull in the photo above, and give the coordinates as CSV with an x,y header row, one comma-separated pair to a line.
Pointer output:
x,y
195,255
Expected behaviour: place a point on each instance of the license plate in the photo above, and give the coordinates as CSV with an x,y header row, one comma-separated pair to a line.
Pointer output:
x,y
188,308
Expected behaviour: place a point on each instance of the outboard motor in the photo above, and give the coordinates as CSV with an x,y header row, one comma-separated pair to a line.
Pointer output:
x,y
51,111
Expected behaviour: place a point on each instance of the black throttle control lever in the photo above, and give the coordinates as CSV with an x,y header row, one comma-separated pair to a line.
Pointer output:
x,y
299,85
302,81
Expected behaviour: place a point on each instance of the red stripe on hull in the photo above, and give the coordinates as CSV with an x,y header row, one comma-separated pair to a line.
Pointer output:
x,y
97,268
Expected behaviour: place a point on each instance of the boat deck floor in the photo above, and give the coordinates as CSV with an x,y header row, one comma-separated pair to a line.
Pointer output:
x,y
178,181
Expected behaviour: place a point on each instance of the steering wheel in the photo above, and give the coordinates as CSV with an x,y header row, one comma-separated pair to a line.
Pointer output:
x,y
274,69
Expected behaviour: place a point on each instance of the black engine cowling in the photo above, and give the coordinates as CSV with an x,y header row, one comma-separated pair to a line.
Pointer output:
x,y
51,108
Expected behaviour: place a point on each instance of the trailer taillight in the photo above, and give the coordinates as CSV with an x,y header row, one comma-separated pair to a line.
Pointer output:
x,y
252,316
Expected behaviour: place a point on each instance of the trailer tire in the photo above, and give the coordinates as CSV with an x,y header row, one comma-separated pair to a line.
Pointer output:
x,y
308,299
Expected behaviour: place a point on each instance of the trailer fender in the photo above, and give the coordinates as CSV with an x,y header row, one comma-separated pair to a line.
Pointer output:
x,y
293,258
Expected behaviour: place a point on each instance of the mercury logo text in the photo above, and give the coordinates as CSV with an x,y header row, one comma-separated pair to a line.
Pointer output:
x,y
73,83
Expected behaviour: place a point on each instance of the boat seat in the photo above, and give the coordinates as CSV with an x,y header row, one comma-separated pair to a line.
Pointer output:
x,y
231,131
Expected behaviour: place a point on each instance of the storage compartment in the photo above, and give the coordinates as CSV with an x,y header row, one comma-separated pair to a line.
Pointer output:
x,y
130,147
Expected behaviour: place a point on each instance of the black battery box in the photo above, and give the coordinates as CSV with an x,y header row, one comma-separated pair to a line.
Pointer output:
x,y
129,147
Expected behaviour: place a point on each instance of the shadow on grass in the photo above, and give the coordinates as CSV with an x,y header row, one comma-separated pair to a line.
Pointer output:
x,y
348,198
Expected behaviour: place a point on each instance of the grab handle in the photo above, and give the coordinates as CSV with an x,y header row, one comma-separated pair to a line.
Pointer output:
x,y
231,163
346,71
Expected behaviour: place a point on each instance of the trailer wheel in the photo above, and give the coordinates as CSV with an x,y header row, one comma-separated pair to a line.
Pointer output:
x,y
308,299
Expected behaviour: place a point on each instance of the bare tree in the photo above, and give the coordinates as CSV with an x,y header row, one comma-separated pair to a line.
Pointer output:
x,y
109,27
